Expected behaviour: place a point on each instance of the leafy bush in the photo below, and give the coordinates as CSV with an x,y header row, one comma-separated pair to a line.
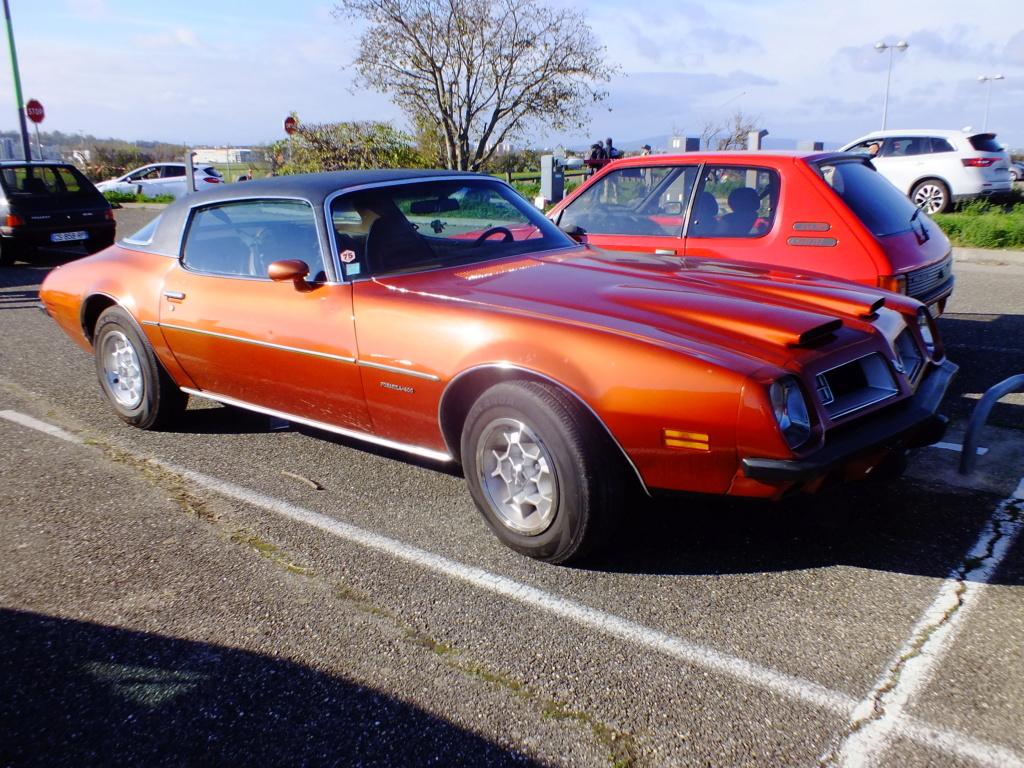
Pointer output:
x,y
986,224
115,198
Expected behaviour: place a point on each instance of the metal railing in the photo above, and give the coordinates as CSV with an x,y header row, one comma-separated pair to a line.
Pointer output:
x,y
969,454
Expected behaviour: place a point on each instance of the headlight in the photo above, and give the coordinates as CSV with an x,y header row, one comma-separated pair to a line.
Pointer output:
x,y
924,322
791,411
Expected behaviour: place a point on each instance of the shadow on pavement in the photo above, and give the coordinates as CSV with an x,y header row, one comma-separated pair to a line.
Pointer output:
x,y
906,526
82,694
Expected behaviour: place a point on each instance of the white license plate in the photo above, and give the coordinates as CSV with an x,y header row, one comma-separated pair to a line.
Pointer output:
x,y
64,237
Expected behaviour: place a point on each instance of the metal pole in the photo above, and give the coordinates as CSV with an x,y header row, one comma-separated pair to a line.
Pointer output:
x,y
17,84
888,74
988,99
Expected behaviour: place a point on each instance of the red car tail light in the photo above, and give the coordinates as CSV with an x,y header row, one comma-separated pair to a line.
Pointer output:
x,y
896,283
211,179
978,162
109,214
14,221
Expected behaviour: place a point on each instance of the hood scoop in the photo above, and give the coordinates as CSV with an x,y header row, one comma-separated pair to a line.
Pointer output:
x,y
736,316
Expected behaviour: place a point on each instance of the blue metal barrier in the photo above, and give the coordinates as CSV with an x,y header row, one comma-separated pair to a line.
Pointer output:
x,y
969,454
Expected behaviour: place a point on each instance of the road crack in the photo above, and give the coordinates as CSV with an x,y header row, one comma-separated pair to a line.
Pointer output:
x,y
878,715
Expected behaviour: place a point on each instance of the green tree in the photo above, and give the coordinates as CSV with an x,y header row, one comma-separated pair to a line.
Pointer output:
x,y
481,72
316,147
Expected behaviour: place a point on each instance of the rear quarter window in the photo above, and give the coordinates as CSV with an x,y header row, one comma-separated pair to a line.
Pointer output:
x,y
985,142
882,208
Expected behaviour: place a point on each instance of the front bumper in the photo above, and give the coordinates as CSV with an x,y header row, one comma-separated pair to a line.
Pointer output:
x,y
916,424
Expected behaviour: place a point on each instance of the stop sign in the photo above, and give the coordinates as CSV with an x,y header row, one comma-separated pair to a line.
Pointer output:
x,y
34,111
290,124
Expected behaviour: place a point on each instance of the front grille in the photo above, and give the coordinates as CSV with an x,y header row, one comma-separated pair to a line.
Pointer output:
x,y
923,282
855,385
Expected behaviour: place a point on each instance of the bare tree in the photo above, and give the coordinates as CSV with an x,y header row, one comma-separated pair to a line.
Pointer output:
x,y
479,72
729,134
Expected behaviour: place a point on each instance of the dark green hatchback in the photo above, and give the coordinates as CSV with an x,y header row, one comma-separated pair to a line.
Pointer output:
x,y
50,205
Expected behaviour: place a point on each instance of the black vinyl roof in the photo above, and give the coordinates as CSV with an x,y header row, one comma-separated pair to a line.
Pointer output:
x,y
312,187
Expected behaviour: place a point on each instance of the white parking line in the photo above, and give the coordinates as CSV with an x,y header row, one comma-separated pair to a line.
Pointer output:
x,y
880,715
874,720
41,426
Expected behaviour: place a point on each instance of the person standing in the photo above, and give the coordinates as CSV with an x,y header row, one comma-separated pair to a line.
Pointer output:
x,y
610,151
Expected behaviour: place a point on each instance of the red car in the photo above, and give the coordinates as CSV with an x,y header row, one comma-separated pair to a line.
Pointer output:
x,y
831,213
441,314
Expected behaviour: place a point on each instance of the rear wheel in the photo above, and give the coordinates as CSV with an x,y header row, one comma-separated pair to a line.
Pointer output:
x,y
545,483
931,195
9,253
136,384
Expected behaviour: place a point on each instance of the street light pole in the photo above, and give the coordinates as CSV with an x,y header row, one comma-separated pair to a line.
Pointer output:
x,y
901,46
983,79
17,85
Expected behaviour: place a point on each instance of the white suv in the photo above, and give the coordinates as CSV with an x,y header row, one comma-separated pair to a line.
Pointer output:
x,y
160,179
937,168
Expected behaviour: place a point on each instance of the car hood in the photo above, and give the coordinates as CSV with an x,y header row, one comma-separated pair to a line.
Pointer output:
x,y
757,311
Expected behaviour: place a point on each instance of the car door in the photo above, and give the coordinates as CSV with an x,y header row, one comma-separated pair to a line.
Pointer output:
x,y
902,160
633,209
173,180
733,216
287,347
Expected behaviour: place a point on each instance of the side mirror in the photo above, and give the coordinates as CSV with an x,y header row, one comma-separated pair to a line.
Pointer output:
x,y
576,233
294,270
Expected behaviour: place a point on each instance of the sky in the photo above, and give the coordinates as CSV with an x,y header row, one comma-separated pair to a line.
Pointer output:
x,y
228,72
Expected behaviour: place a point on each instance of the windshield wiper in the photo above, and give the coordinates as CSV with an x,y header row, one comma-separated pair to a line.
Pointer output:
x,y
924,237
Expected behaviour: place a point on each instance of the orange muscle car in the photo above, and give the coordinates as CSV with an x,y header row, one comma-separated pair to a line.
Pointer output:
x,y
440,313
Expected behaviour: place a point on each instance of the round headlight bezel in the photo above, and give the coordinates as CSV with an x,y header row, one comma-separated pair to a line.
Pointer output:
x,y
791,411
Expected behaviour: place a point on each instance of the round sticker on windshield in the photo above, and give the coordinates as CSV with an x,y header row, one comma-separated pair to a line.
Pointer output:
x,y
347,257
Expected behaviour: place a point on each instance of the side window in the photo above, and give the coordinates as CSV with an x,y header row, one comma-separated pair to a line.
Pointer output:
x,y
633,201
246,238
901,146
172,171
734,201
940,144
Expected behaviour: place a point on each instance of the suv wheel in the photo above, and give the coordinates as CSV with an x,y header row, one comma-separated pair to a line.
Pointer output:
x,y
931,195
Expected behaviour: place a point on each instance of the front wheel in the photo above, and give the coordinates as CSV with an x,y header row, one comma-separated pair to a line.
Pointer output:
x,y
545,483
931,195
136,384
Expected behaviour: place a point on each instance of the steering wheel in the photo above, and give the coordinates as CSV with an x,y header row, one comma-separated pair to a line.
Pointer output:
x,y
507,236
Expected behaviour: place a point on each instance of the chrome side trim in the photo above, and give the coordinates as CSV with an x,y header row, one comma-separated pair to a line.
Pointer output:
x,y
393,369
427,453
255,343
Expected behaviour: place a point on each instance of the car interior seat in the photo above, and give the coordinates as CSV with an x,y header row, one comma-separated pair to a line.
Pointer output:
x,y
393,244
744,203
704,218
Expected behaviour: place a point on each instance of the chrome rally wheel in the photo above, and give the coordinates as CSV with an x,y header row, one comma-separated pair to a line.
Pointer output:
x,y
541,470
516,472
137,385
122,374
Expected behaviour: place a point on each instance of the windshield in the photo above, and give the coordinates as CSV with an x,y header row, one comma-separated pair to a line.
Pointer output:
x,y
426,225
875,201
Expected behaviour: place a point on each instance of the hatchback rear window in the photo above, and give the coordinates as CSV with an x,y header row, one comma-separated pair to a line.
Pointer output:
x,y
872,198
43,181
985,142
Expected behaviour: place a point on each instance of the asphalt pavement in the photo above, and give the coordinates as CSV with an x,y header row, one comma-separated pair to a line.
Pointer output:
x,y
225,593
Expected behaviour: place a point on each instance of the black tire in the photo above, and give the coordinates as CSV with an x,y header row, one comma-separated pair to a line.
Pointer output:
x,y
138,387
95,246
932,195
9,253
557,499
